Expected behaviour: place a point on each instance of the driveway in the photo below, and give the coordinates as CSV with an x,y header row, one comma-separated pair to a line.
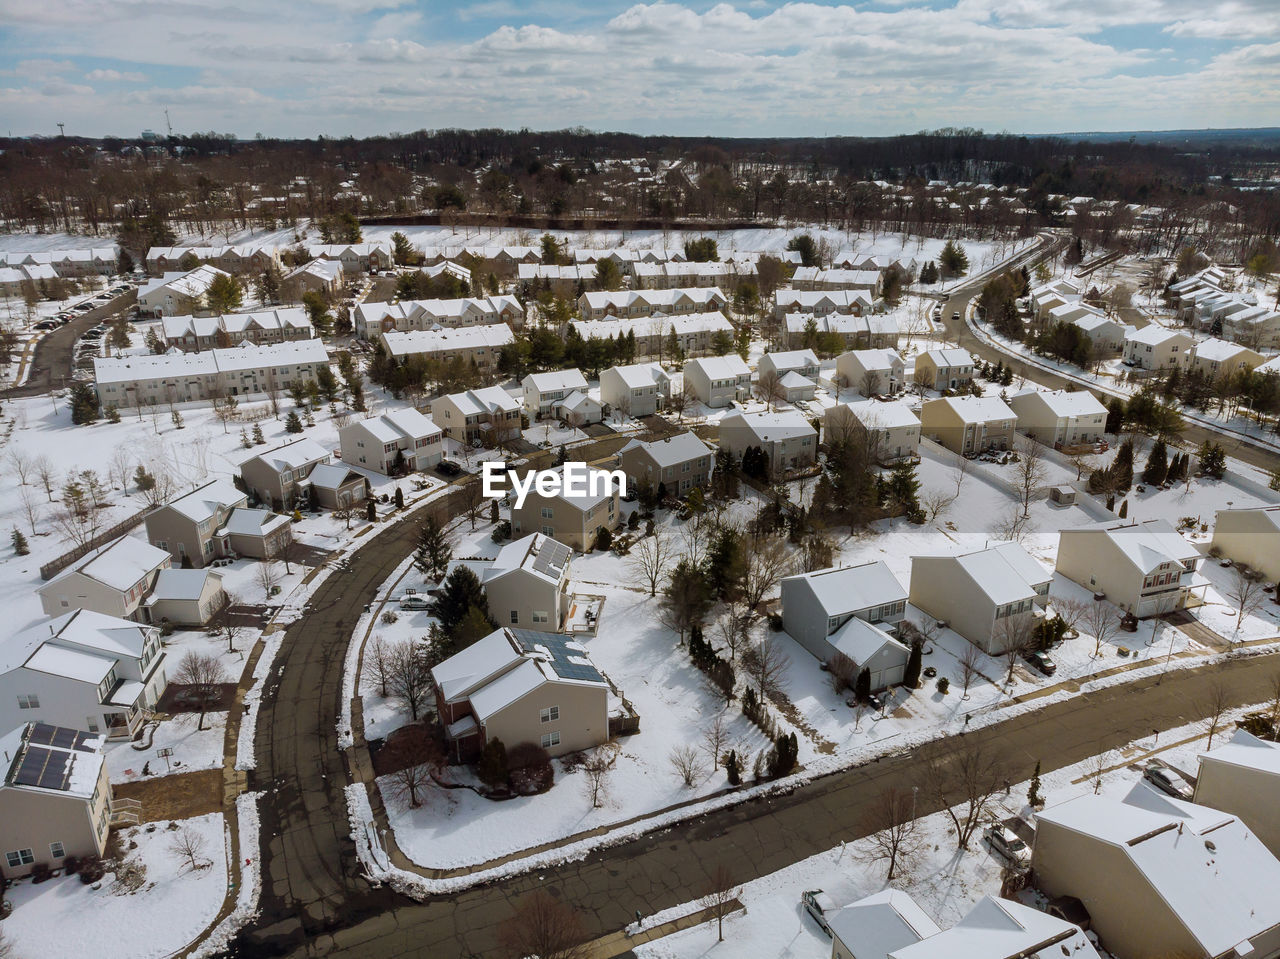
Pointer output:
x,y
51,364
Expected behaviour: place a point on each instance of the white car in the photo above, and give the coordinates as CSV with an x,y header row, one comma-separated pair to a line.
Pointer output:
x,y
1005,841
413,601
819,905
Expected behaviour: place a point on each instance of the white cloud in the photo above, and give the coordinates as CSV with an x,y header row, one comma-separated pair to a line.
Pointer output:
x,y
116,76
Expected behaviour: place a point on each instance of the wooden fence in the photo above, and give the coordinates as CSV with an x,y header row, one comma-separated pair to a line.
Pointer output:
x,y
53,567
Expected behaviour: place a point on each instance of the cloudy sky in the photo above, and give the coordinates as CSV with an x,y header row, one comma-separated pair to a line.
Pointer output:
x,y
751,67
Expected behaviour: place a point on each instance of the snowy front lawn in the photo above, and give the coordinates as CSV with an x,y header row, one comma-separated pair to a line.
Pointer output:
x,y
175,903
193,749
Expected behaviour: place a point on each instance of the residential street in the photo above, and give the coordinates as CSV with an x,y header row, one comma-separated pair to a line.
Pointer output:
x,y
315,902
51,366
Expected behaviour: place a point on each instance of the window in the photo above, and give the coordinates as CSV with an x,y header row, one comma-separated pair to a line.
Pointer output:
x,y
539,616
56,850
25,857
547,531
548,512
29,702
91,723
515,617
550,714
550,739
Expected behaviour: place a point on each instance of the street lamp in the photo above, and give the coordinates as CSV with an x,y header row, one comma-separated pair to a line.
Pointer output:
x,y
914,790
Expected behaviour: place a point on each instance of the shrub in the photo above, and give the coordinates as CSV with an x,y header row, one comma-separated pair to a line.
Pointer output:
x,y
943,684
91,870
41,872
501,531
390,616
530,769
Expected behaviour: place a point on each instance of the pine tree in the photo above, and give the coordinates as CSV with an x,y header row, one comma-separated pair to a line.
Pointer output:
x,y
492,767
433,552
258,438
84,403
1122,467
291,423
244,438
733,768
1157,469
1213,460
1115,415
911,675
1124,510
862,686
19,542
399,498
143,480
371,510
1033,793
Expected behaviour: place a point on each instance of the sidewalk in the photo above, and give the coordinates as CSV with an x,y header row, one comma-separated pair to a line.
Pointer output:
x,y
619,943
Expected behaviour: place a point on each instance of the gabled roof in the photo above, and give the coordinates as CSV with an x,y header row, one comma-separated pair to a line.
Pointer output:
x,y
1145,545
794,381
1061,402
570,379
671,451
1001,929
860,640
878,359
882,923
792,359
727,367
90,632
1215,349
332,476
538,554
771,427
180,584
394,425
252,522
1248,751
639,375
948,357
873,415
119,565
204,503
850,589
437,341
53,759
1153,335
1004,573
975,409
290,456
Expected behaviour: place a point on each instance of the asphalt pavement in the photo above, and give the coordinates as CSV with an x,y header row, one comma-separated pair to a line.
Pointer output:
x,y
54,358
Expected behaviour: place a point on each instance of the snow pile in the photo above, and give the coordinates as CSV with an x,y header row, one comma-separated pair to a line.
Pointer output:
x,y
250,888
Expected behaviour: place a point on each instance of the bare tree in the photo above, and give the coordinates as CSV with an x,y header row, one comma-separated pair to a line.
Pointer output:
x,y
1245,592
768,560
229,621
1084,463
415,758
650,559
770,389
346,512
473,501
891,831
1029,472
378,660
1216,701
121,467
1101,619
734,630
189,845
767,664
694,536
1098,765
1014,525
409,678
21,463
964,780
1275,706
268,577
47,474
680,401
1072,612
1012,636
31,507
936,502
687,763
545,927
720,897
959,470
841,672
595,770
969,662
715,737
203,675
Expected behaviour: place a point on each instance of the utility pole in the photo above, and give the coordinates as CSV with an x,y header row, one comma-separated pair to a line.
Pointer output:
x,y
62,130
167,123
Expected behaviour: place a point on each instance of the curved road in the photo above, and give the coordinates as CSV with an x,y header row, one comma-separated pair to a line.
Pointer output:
x,y
52,364
315,903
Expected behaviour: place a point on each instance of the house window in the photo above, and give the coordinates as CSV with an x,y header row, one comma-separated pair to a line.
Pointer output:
x,y
515,617
548,512
25,857
539,616
550,714
29,702
56,850
550,739
91,723
548,531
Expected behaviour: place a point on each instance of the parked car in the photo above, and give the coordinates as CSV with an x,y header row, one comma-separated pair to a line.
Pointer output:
x,y
46,325
819,905
955,315
413,601
1005,841
1167,780
1042,661
448,468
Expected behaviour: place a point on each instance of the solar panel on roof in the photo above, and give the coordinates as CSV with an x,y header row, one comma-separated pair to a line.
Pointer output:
x,y
42,734
32,766
64,738
55,774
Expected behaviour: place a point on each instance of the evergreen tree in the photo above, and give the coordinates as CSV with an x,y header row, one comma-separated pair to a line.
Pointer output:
x,y
399,498
862,685
433,552
953,259
84,403
1122,467
492,767
733,768
929,273
726,566
143,480
258,438
903,488
292,424
1006,378
1033,793
911,675
604,539
1124,510
19,542
371,510
1213,460
1115,415
461,592
1157,469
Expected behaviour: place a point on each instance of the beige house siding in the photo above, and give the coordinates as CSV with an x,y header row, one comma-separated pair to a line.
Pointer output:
x,y
33,819
939,421
1246,537
566,522
189,612
517,595
639,465
940,588
77,591
1251,794
892,443
1089,558
582,724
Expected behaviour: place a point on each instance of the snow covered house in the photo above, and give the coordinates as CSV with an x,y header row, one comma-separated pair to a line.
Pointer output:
x,y
572,516
1154,347
355,257
678,462
522,686
821,302
974,592
113,580
718,381
803,362
397,437
636,390
1250,536
544,393
787,438
626,304
82,670
870,372
472,344
527,584
1160,877
371,320
1144,568
191,334
878,925
1002,929
1058,418
968,424
849,610
277,476
1104,333
185,597
660,335
1215,358
177,293
858,331
490,415
891,430
315,276
55,797
1242,777
214,522
944,369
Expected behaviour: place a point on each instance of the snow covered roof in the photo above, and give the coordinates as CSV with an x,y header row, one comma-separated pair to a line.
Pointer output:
x,y
878,359
1246,750
120,565
1153,335
880,924
292,455
794,381
1210,870
659,324
543,556
71,663
639,375
1146,545
671,451
204,503
1215,349
395,425
977,409
727,367
437,341
810,301
873,415
252,522
1005,573
182,584
657,299
331,476
193,284
948,357
578,400
490,399
1061,402
771,427
52,758
860,640
851,589
792,359
83,628
1001,929
598,480
570,379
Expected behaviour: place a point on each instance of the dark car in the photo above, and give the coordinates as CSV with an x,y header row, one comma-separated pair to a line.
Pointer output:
x,y
448,468
1042,661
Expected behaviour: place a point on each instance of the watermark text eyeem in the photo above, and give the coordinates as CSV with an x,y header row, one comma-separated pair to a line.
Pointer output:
x,y
572,479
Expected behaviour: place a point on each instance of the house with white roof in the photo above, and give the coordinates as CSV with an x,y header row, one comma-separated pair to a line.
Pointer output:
x,y
1145,568
489,416
803,362
177,293
277,476
968,424
851,611
191,334
185,597
944,369
1002,929
113,580
628,304
84,670
55,797
871,372
392,440
1160,877
1250,536
472,344
1104,333
1154,347
527,584
692,333
1242,777
973,592
315,276
870,281
889,430
821,302
857,330
371,320
1214,358
574,517
1059,418
787,438
718,381
878,925
213,522
636,390
678,462
355,257
544,392
522,686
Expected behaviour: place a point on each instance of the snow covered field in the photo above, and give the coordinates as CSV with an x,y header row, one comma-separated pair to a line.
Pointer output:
x,y
172,907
